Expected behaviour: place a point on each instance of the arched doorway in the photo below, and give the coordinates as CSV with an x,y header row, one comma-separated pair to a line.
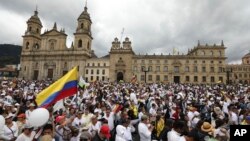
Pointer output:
x,y
119,76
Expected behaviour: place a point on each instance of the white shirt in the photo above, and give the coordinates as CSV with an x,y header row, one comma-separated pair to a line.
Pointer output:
x,y
152,111
77,123
123,133
95,128
8,133
23,137
145,134
173,135
110,120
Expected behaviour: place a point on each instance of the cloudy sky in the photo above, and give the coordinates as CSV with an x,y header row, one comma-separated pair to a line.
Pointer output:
x,y
153,26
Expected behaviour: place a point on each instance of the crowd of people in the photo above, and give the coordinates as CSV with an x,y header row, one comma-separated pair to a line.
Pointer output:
x,y
106,111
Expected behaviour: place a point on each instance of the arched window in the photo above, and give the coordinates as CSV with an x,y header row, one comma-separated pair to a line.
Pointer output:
x,y
52,45
65,64
27,45
81,25
88,45
211,53
37,30
220,53
30,28
80,43
36,46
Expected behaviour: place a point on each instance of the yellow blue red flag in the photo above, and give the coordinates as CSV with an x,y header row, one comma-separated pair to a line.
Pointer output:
x,y
63,87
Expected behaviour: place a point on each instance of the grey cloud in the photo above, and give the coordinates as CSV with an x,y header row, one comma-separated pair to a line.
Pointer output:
x,y
154,26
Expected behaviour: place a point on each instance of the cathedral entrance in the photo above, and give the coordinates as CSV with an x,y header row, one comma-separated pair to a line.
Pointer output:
x,y
176,79
50,74
119,76
36,72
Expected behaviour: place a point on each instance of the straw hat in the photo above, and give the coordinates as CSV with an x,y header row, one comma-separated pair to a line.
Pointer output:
x,y
207,127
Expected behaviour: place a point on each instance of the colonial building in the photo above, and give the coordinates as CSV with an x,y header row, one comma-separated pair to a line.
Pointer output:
x,y
239,73
45,55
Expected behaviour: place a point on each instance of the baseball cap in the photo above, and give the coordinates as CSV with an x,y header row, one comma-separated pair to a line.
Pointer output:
x,y
105,131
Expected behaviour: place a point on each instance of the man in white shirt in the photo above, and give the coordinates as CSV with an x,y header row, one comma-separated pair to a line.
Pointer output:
x,y
145,129
27,135
175,133
123,131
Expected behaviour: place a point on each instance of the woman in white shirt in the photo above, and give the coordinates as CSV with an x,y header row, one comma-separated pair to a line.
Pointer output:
x,y
10,129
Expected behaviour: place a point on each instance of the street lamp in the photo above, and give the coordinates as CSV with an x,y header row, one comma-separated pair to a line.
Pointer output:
x,y
228,71
145,70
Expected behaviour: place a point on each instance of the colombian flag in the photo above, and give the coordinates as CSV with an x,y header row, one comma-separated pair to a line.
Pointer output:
x,y
64,87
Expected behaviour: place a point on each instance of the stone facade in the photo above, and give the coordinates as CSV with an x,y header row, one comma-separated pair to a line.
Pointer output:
x,y
45,55
239,73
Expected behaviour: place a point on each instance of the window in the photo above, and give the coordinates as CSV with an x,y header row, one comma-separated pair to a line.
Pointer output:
x,y
91,78
97,71
88,45
195,61
81,25
240,75
24,68
142,68
195,78
97,77
245,75
187,78
203,69
142,78
135,68
86,78
157,68
98,64
212,78
176,69
166,61
103,78
135,61
104,64
204,79
36,46
211,69
150,61
165,78
149,77
37,30
52,46
103,71
220,53
27,45
87,71
80,43
187,69
195,69
187,61
158,78
221,79
220,62
220,69
93,64
88,64
211,62
165,68
142,61
92,71
211,53
158,61
203,61
150,68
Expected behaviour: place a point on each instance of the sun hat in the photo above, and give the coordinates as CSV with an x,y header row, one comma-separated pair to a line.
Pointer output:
x,y
207,127
9,116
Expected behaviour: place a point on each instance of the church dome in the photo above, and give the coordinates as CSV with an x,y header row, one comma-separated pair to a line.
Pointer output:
x,y
35,19
84,15
247,55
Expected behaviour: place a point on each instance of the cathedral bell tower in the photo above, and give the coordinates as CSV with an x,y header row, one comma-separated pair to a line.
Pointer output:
x,y
32,36
83,37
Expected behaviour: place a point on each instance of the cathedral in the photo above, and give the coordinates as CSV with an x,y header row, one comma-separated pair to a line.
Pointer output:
x,y
46,56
